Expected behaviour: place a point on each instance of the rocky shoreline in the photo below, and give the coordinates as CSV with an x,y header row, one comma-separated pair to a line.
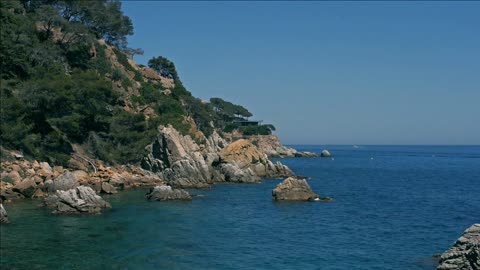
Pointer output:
x,y
173,162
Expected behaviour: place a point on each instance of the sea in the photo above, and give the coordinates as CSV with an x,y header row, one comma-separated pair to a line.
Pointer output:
x,y
395,207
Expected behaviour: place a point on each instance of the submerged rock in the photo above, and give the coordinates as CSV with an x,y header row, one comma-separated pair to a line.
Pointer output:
x,y
81,199
294,189
166,193
465,253
325,153
3,215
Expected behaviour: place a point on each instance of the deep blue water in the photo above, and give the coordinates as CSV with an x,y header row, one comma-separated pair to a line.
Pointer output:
x,y
395,207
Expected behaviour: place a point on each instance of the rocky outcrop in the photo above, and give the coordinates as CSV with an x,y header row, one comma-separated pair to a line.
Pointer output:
x,y
179,160
166,193
81,199
465,253
295,189
241,159
325,153
271,145
3,215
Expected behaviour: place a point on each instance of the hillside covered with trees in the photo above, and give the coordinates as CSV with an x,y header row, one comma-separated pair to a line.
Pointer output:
x,y
68,81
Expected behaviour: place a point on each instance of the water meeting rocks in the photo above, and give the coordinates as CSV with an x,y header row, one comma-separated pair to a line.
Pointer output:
x,y
81,199
3,214
167,193
465,253
294,189
325,153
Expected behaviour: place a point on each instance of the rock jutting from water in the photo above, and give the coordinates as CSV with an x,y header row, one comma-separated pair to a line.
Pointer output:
x,y
81,199
3,214
295,189
325,153
167,193
465,253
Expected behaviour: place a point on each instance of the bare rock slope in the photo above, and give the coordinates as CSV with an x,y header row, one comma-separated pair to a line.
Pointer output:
x,y
465,253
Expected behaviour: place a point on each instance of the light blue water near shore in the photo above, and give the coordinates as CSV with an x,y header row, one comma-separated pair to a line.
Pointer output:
x,y
391,212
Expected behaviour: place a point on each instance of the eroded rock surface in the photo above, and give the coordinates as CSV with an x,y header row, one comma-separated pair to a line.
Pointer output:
x,y
295,189
178,160
183,163
167,193
81,199
241,160
465,253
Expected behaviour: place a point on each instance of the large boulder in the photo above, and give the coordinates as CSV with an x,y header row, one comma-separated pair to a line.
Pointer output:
x,y
81,199
65,181
294,189
108,188
166,193
27,187
325,153
178,159
3,214
465,253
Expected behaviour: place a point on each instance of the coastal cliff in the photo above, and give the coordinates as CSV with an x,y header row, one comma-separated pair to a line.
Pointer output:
x,y
86,117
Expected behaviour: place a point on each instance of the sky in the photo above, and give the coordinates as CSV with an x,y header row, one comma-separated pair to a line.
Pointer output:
x,y
328,72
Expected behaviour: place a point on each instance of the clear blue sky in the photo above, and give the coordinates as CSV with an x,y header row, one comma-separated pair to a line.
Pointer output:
x,y
328,72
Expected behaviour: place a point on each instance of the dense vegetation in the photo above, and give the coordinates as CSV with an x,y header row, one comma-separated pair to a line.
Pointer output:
x,y
59,87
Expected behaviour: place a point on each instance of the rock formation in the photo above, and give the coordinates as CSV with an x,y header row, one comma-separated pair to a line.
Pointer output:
x,y
272,146
325,153
166,193
295,189
65,181
178,159
241,161
181,162
3,214
465,253
81,199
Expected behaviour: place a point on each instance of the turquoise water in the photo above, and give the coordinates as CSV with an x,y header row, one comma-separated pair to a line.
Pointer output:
x,y
391,212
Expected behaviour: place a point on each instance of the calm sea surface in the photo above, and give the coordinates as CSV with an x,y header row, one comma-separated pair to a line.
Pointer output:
x,y
395,207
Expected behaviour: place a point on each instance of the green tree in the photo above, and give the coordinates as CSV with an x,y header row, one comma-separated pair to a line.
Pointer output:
x,y
164,67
